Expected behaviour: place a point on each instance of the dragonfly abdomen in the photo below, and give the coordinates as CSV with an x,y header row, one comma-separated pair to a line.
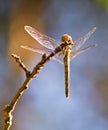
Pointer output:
x,y
67,73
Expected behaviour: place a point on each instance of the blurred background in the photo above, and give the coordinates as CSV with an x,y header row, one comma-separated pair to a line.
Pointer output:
x,y
44,106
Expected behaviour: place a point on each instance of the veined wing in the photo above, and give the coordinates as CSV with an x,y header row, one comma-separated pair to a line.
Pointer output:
x,y
41,51
77,52
79,42
41,38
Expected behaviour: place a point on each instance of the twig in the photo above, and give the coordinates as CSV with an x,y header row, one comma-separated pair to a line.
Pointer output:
x,y
9,108
21,64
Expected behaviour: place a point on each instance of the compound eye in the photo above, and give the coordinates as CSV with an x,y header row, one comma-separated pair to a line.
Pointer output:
x,y
65,38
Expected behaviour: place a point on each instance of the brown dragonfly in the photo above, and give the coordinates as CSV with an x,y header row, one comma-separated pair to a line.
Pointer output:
x,y
67,54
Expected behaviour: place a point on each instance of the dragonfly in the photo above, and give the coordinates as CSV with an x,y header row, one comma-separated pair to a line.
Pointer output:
x,y
67,54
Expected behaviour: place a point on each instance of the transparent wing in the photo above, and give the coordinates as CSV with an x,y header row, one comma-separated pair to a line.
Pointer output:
x,y
41,51
79,42
77,52
41,38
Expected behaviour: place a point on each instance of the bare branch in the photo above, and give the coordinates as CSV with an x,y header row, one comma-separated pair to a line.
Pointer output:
x,y
29,76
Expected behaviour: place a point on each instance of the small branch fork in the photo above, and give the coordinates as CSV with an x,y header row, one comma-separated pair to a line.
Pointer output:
x,y
21,64
9,108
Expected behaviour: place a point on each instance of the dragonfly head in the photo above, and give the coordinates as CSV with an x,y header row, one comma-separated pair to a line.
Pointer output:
x,y
66,39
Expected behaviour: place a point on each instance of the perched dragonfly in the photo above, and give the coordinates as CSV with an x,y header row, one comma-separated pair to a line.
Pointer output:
x,y
68,53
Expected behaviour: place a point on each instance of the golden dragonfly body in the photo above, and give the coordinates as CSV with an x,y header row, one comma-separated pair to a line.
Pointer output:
x,y
68,52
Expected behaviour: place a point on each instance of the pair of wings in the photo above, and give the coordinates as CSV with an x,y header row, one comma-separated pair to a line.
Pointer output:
x,y
49,43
